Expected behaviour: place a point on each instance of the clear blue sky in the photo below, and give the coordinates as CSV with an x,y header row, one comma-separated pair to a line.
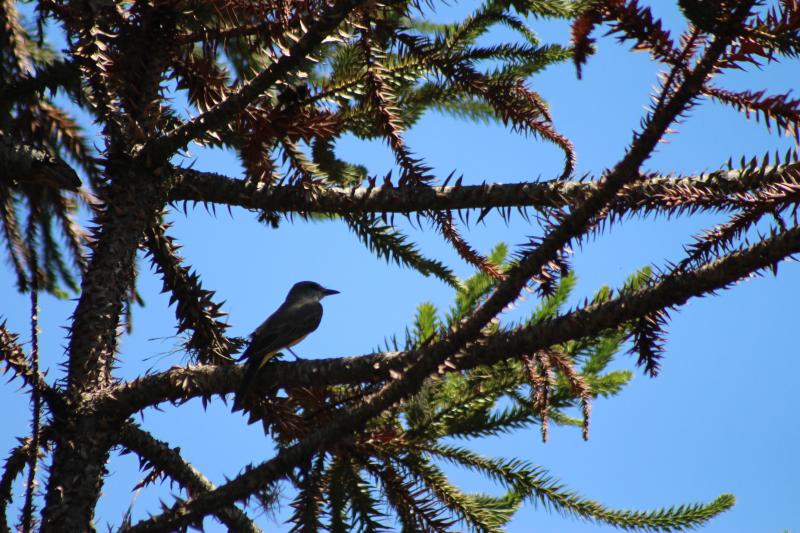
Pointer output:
x,y
721,417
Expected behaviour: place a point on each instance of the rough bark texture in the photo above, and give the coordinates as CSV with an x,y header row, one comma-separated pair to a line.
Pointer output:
x,y
84,440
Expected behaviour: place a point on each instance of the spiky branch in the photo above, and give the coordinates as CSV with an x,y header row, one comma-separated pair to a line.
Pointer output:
x,y
157,457
715,191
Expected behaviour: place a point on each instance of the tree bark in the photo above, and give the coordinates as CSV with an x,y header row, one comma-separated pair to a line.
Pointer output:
x,y
83,438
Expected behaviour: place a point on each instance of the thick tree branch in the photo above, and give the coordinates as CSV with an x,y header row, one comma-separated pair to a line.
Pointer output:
x,y
121,225
169,461
83,443
228,109
180,384
711,191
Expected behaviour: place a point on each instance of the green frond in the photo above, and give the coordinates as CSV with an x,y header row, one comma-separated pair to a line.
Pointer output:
x,y
609,384
509,473
364,507
669,519
638,279
475,288
537,485
546,8
600,352
499,254
466,108
549,306
440,97
424,26
338,171
492,424
426,323
500,509
439,421
518,26
345,64
531,63
603,294
304,167
472,516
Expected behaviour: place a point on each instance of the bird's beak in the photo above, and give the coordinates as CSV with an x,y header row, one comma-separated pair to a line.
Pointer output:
x,y
329,292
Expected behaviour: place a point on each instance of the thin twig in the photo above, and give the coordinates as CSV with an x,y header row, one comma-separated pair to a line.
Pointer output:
x,y
27,510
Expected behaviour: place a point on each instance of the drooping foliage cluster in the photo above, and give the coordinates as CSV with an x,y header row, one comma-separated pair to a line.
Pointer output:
x,y
362,441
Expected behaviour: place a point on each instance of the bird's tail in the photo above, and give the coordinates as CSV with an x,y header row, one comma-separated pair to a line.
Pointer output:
x,y
250,374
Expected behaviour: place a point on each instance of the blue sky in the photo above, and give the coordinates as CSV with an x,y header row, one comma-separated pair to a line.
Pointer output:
x,y
721,417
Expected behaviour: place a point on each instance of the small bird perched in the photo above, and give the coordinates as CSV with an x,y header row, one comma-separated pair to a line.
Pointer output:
x,y
298,315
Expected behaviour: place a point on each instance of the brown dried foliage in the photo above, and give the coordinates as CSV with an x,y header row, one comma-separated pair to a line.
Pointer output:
x,y
632,21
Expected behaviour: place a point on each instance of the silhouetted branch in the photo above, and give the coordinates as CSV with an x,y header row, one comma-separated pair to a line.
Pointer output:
x,y
157,454
646,194
14,358
55,75
27,164
36,408
194,307
13,467
235,103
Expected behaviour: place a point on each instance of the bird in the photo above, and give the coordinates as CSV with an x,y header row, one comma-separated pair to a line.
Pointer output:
x,y
298,315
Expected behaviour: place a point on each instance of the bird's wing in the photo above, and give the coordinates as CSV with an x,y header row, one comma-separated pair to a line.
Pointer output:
x,y
285,327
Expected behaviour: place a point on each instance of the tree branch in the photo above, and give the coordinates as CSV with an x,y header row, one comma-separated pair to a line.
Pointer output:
x,y
169,460
56,74
25,163
14,357
222,113
646,194
180,384
33,459
194,307
78,467
13,467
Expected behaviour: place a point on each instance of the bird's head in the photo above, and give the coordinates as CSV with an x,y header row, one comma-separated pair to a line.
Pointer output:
x,y
309,290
